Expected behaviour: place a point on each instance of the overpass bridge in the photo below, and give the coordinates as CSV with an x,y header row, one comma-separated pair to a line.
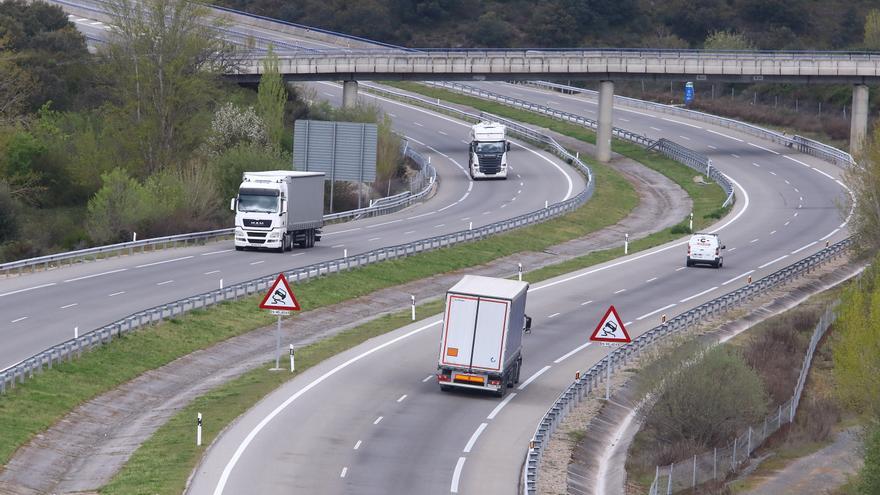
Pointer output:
x,y
603,65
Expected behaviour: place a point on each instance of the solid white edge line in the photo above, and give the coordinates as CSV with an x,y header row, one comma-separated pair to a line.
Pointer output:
x,y
163,262
741,275
640,318
680,122
384,223
796,161
500,406
571,353
96,275
765,265
456,474
532,378
474,437
227,470
796,251
823,173
558,167
724,135
325,234
25,290
19,319
68,306
765,149
698,294
427,378
830,234
216,252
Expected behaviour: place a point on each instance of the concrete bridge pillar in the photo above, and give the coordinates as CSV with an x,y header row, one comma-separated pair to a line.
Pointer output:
x,y
603,135
349,94
859,124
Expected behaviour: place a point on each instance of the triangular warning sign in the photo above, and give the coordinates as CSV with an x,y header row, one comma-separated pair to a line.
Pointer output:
x,y
280,296
610,328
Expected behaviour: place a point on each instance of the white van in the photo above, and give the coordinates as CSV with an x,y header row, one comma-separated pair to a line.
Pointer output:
x,y
705,249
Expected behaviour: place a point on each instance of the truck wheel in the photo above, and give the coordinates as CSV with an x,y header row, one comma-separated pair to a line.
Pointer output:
x,y
500,392
310,238
688,262
445,388
239,248
518,369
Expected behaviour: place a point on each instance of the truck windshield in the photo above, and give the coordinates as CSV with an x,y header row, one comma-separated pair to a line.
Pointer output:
x,y
257,203
493,147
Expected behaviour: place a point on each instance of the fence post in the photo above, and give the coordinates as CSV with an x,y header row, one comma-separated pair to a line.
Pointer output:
x,y
749,444
669,479
733,460
715,463
694,479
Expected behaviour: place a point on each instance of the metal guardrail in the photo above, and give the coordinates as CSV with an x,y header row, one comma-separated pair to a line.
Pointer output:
x,y
804,145
693,159
67,350
618,358
709,465
424,181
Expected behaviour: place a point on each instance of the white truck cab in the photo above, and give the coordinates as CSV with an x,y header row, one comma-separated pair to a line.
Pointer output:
x,y
487,158
705,249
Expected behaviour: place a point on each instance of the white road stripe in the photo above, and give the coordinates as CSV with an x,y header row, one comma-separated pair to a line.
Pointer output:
x,y
163,262
772,232
442,133
427,378
19,319
724,135
586,302
68,306
711,147
753,241
409,232
772,173
554,315
377,420
685,138
211,273
657,129
533,377
698,294
116,293
456,475
734,155
344,472
257,262
680,268
25,290
823,173
619,291
474,437
755,164
357,445
96,275
741,275
165,282
422,215
830,234
419,124
337,246
440,225
383,223
796,251
402,397
500,406
341,231
796,161
786,223
373,239
763,148
680,122
765,265
216,252
640,318
571,353
650,280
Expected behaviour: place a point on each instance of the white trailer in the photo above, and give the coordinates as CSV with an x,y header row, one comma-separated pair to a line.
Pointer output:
x,y
481,337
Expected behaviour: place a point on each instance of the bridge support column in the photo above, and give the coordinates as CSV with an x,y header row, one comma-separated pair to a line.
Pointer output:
x,y
349,94
603,135
859,124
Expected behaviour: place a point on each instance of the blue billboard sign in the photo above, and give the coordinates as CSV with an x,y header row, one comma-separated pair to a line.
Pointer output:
x,y
688,93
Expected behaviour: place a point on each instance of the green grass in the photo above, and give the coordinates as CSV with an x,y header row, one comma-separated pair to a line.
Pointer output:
x,y
162,464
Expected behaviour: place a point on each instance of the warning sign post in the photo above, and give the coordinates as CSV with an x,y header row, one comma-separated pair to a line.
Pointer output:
x,y
281,300
611,329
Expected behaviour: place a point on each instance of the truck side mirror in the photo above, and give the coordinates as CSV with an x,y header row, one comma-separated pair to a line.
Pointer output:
x,y
232,204
528,325
723,246
508,146
283,208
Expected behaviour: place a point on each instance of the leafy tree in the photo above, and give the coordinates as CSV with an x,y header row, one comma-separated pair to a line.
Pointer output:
x,y
727,40
229,166
114,212
493,31
8,220
271,99
872,30
870,473
863,180
233,126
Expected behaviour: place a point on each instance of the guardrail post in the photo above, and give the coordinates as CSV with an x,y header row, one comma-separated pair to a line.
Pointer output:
x,y
669,479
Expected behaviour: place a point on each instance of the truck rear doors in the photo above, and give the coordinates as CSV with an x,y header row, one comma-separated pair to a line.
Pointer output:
x,y
474,333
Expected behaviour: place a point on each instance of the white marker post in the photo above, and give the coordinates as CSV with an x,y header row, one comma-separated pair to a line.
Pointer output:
x,y
546,204
519,271
199,431
134,237
292,362
221,283
345,253
470,225
691,222
413,299
76,332
625,243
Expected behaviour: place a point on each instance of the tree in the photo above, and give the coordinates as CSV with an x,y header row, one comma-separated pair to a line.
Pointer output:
x,y
8,220
863,180
271,99
233,126
872,30
163,62
727,40
870,473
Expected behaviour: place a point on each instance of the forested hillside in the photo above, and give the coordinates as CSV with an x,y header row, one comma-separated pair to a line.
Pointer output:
x,y
768,24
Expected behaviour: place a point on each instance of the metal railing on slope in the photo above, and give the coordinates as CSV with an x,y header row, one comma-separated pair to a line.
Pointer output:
x,y
693,159
424,181
617,359
804,145
72,348
705,467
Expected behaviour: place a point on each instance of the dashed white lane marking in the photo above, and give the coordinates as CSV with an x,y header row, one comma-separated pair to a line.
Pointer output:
x,y
69,306
795,214
830,234
711,147
586,302
571,353
96,275
337,246
474,437
257,262
402,397
823,173
297,254
753,241
165,282
619,291
456,475
451,205
357,445
657,129
163,262
487,213
422,215
373,239
440,225
796,161
640,318
464,219
627,324
681,123
698,294
409,232
680,268
505,205
650,280
377,420
442,133
765,265
724,135
801,198
500,406
383,223
393,116
211,272
19,319
419,124
685,138
786,223
787,182
796,251
116,294
427,378
735,155
772,232
216,252
341,231
533,377
755,164
344,472
741,275
763,148
797,190
623,119
731,249
554,315
772,173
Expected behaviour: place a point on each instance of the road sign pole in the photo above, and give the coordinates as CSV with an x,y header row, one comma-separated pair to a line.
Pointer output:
x,y
278,343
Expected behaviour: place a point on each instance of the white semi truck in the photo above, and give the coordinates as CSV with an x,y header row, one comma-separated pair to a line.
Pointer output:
x,y
481,337
488,151
279,209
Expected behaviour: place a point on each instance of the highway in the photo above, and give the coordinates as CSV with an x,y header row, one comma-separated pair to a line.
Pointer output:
x,y
373,420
